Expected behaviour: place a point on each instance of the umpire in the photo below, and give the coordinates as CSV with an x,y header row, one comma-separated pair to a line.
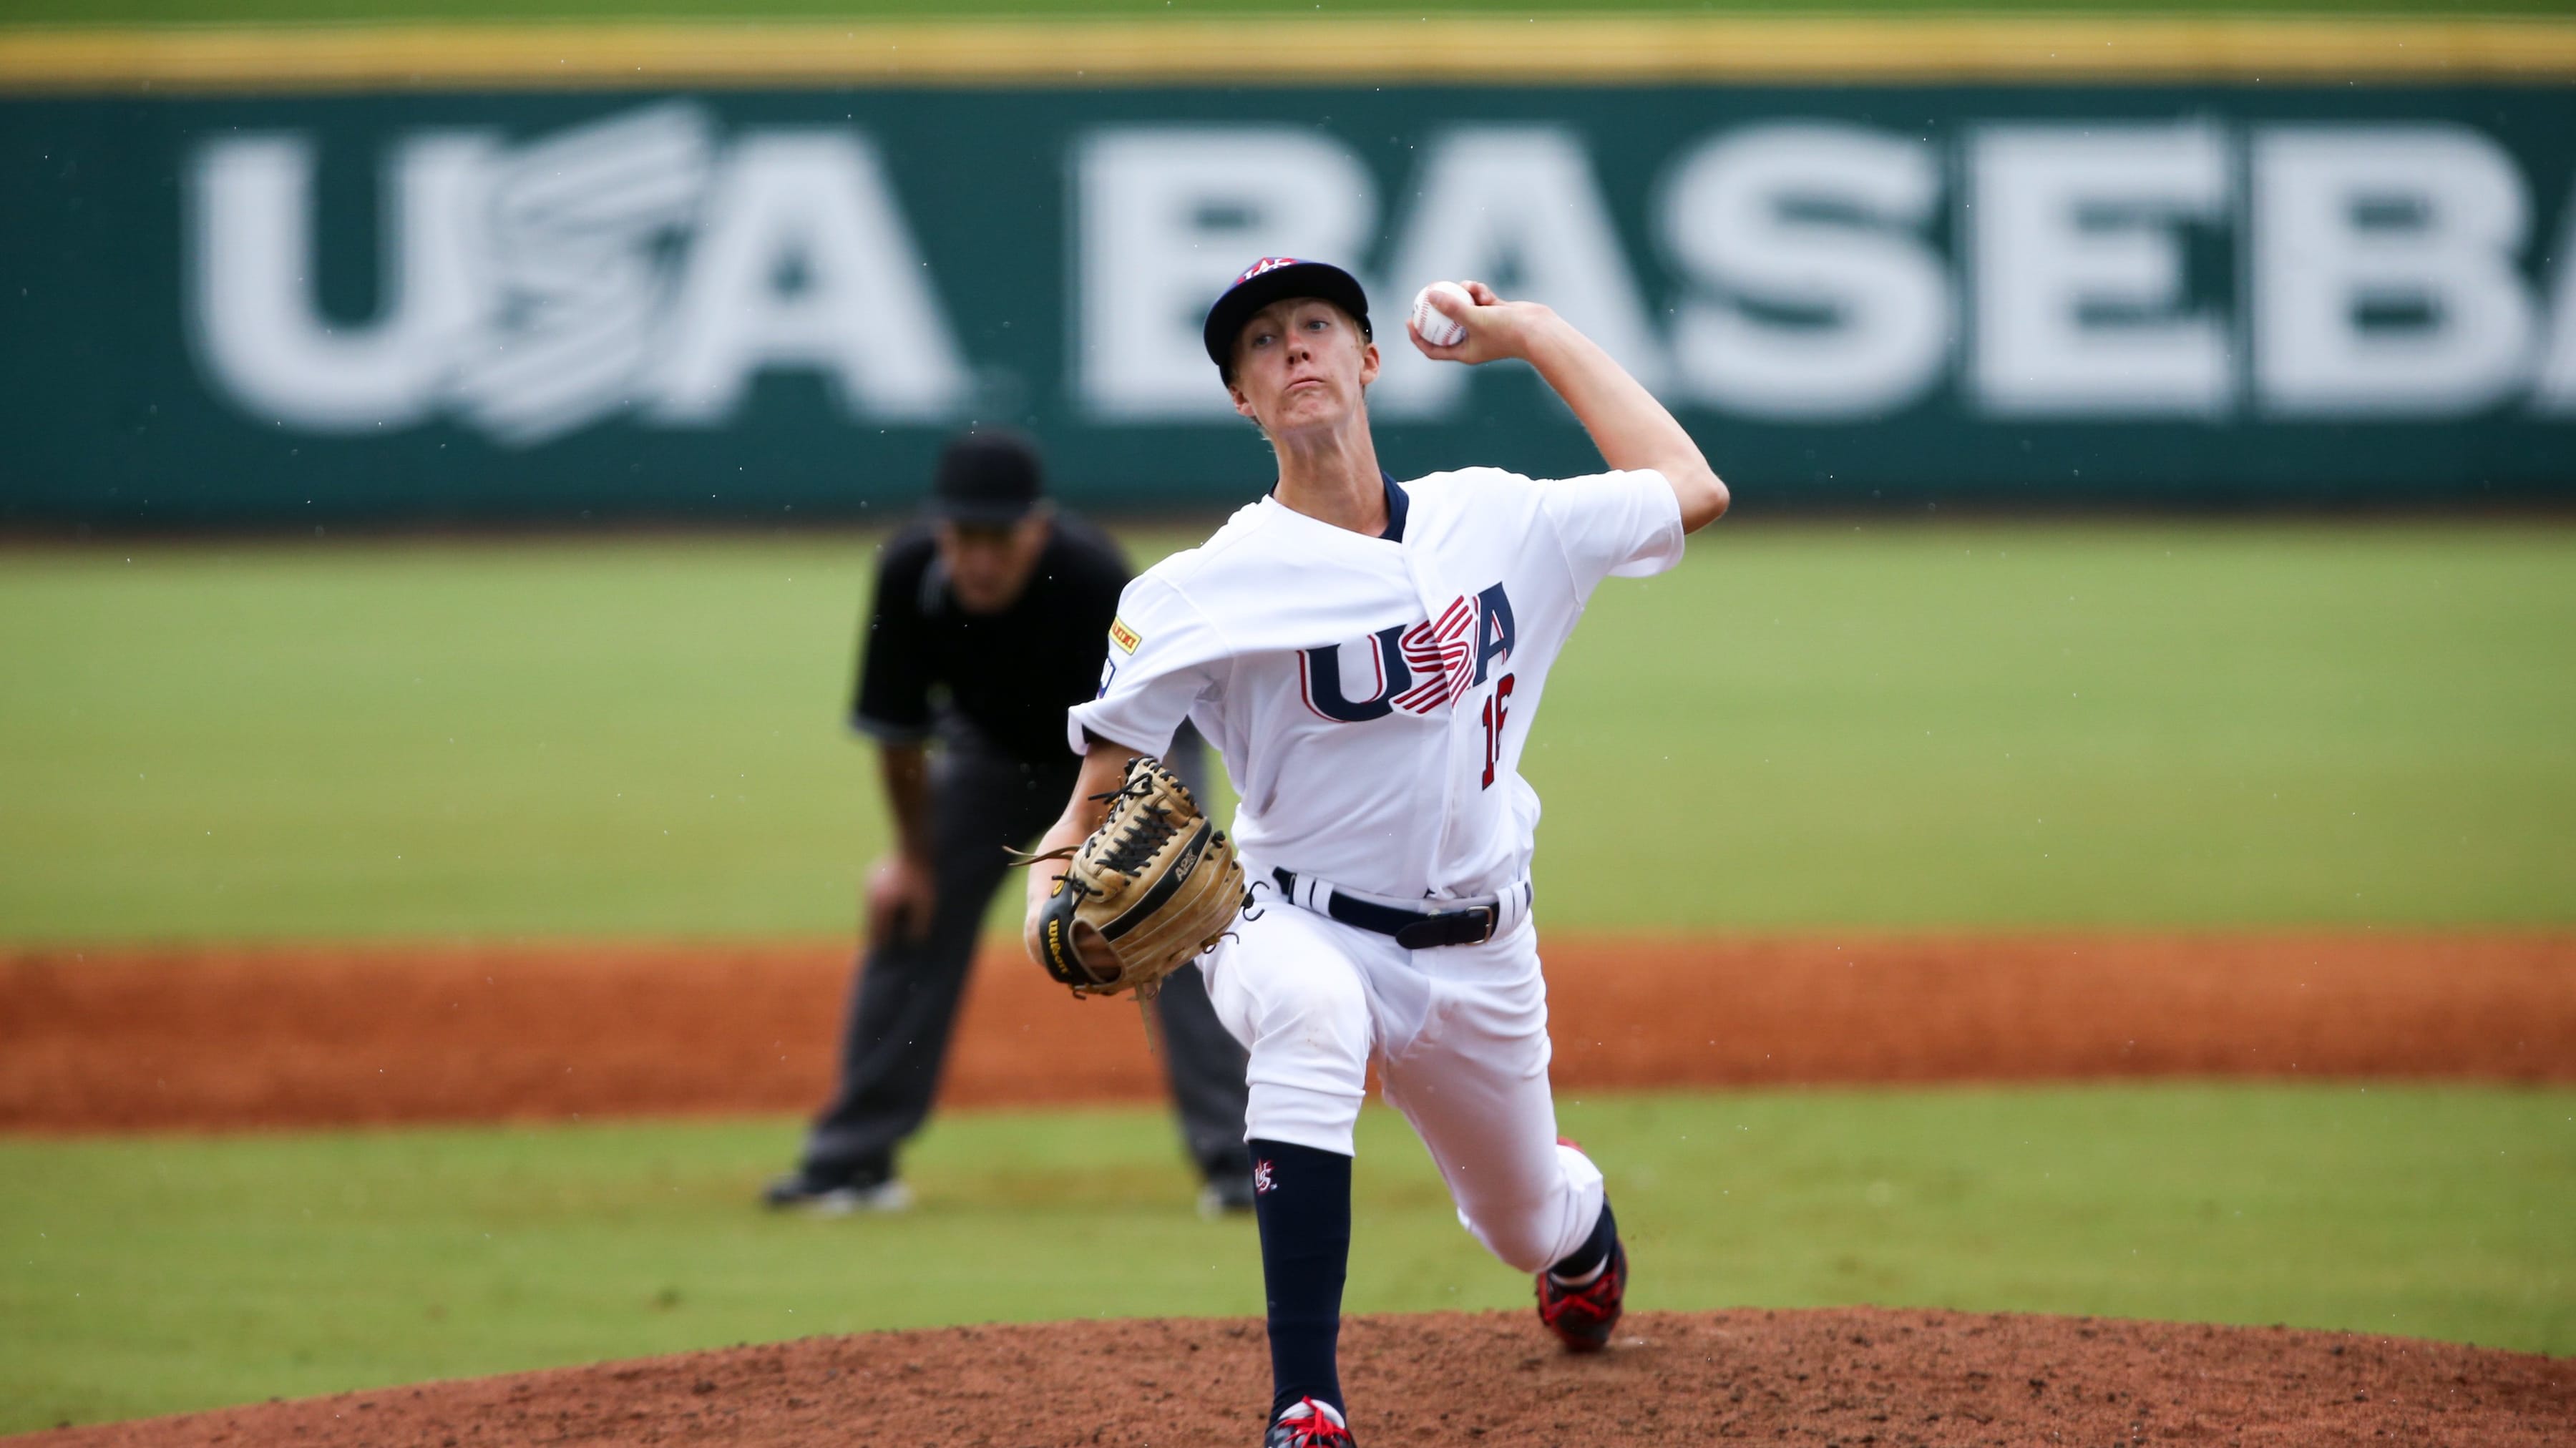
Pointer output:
x,y
990,620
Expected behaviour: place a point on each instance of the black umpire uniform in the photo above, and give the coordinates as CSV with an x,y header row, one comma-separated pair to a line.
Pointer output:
x,y
991,689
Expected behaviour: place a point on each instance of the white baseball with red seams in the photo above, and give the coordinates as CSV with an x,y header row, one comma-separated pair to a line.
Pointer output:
x,y
1436,310
1371,697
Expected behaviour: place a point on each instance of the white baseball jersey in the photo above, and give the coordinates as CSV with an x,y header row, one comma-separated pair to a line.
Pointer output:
x,y
1370,696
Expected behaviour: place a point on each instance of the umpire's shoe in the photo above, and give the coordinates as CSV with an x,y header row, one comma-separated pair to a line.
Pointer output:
x,y
1581,1317
1306,1423
1227,1194
835,1196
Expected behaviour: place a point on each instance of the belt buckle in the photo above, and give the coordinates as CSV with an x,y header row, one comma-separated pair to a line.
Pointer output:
x,y
1471,926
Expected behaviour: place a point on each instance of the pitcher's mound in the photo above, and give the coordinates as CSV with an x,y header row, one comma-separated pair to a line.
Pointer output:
x,y
1841,1376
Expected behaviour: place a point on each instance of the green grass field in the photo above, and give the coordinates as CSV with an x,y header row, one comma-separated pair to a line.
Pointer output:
x,y
1805,726
160,1274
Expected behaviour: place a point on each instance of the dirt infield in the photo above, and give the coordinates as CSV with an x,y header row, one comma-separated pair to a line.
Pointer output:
x,y
228,1037
1844,1376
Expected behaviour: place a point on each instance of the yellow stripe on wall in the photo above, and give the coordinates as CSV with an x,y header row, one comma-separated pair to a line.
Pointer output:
x,y
1449,50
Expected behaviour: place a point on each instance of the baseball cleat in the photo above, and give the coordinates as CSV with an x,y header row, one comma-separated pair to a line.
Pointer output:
x,y
1308,1424
1581,1317
1229,1195
825,1198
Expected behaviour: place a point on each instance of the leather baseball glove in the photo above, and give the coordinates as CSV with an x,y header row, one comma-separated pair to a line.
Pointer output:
x,y
1155,885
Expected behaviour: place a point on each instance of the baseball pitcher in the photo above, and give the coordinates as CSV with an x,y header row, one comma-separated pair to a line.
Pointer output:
x,y
1368,657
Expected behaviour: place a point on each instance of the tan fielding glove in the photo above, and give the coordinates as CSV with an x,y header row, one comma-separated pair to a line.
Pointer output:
x,y
1154,886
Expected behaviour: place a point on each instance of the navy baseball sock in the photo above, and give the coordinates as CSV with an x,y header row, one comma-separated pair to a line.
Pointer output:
x,y
1585,1262
1302,1199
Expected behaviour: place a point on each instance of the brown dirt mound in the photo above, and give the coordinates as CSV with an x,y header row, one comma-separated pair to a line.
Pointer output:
x,y
198,1038
1843,1376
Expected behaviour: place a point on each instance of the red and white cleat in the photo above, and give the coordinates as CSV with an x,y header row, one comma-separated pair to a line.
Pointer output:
x,y
1581,1317
1307,1424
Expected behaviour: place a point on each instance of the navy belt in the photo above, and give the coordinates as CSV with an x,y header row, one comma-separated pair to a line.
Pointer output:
x,y
1412,929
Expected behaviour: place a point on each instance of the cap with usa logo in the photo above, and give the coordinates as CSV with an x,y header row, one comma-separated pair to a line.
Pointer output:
x,y
1268,280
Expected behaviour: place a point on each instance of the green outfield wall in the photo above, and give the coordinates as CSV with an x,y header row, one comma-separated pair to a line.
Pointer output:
x,y
469,298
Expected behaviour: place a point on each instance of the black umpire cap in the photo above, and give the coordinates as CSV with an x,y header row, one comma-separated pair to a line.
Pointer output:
x,y
989,476
1266,281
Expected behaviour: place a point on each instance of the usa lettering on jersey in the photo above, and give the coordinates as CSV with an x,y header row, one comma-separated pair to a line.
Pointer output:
x,y
1421,669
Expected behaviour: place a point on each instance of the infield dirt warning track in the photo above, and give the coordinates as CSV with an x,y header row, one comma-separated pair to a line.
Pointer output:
x,y
228,1037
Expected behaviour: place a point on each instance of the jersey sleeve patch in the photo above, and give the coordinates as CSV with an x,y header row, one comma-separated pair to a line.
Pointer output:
x,y
1124,637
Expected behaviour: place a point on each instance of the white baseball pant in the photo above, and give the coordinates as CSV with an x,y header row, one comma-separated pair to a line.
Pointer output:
x,y
1460,1037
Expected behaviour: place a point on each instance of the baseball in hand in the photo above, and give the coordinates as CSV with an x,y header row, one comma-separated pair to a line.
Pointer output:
x,y
1436,309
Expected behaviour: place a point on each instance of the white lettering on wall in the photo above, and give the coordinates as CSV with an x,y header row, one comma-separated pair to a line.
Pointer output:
x,y
647,264
1516,207
2419,225
2079,272
578,224
255,319
804,262
531,290
2554,391
1820,223
1165,219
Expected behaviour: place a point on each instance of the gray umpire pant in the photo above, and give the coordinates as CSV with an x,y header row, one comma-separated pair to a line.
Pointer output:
x,y
903,1005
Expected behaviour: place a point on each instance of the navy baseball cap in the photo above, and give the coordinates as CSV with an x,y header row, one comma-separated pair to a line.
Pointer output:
x,y
1268,280
989,476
